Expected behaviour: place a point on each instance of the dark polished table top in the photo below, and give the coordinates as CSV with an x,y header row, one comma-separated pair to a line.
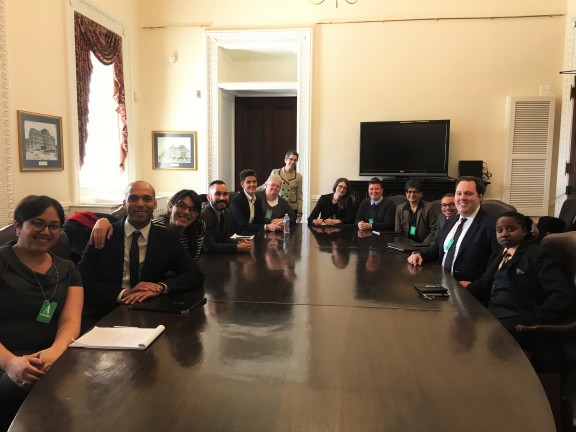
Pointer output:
x,y
322,332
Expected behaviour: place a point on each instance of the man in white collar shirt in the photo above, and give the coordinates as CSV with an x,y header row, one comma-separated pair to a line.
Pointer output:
x,y
139,260
246,208
376,212
217,218
466,241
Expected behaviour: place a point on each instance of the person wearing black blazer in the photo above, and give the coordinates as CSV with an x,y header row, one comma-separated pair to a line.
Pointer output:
x,y
472,250
217,218
243,219
525,284
166,266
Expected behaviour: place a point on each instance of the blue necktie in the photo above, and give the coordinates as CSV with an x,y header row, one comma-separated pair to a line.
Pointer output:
x,y
134,259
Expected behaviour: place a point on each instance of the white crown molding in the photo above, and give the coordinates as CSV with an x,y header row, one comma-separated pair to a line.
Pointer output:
x,y
296,40
6,162
566,115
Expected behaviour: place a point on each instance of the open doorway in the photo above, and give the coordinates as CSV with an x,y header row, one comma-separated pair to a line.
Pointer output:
x,y
225,50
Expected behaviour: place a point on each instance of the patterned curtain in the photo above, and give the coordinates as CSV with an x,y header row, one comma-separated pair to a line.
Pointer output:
x,y
107,48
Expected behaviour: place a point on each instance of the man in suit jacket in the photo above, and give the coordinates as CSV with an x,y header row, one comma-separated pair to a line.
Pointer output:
x,y
525,284
474,244
217,218
164,265
246,208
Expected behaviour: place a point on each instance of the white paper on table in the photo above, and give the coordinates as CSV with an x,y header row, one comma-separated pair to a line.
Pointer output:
x,y
118,338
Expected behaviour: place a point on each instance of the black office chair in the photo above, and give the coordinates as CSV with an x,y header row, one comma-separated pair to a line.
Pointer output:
x,y
398,199
496,207
568,213
564,246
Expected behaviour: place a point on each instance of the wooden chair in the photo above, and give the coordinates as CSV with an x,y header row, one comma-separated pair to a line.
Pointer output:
x,y
61,248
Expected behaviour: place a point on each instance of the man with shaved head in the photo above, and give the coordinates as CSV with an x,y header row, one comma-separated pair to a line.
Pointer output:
x,y
139,260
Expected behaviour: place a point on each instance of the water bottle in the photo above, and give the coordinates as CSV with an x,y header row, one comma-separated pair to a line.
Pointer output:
x,y
286,224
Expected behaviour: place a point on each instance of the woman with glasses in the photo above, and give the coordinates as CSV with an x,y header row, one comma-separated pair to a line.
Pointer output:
x,y
291,189
41,298
181,218
335,208
416,219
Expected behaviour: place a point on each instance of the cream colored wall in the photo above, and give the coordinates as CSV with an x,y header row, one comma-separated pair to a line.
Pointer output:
x,y
37,72
457,70
462,70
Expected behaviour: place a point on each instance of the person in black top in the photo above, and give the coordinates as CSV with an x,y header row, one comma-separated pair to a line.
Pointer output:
x,y
336,208
376,212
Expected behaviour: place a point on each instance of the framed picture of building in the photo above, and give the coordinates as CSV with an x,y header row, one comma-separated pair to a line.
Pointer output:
x,y
174,150
40,142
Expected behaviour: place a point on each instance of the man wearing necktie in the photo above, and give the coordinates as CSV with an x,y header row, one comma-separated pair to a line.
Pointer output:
x,y
139,260
466,241
376,212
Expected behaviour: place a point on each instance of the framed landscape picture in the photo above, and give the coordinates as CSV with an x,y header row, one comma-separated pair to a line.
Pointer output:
x,y
40,142
174,150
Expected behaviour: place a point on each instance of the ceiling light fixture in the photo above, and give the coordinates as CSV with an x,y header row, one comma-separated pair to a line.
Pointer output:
x,y
319,2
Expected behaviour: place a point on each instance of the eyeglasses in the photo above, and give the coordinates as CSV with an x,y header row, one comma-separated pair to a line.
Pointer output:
x,y
413,192
341,187
182,206
39,225
448,205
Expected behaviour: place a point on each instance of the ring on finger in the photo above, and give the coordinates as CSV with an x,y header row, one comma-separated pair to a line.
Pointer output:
x,y
24,383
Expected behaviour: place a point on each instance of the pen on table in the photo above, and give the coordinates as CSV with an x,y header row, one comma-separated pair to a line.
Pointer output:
x,y
376,232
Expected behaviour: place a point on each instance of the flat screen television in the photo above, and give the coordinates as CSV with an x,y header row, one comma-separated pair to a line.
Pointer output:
x,y
417,148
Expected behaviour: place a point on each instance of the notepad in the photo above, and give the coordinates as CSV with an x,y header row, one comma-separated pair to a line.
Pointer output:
x,y
118,338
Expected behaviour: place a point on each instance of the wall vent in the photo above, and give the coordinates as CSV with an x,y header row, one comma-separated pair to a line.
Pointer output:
x,y
530,124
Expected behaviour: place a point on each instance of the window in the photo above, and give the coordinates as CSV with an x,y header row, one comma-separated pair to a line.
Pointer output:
x,y
101,178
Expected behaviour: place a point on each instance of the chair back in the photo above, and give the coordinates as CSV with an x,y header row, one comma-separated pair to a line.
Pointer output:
x,y
496,207
568,213
398,199
563,245
61,248
437,207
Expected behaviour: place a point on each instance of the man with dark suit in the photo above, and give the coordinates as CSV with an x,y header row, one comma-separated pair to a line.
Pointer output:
x,y
217,219
139,260
466,241
246,208
524,284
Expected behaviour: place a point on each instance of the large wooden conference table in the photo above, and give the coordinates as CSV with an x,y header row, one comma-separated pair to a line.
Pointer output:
x,y
322,331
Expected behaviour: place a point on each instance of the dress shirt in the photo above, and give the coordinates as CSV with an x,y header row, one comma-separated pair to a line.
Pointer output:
x,y
251,201
450,236
142,244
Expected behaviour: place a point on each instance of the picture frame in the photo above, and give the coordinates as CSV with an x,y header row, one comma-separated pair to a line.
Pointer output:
x,y
40,142
174,150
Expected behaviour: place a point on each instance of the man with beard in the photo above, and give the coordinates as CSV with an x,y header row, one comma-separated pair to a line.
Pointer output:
x,y
139,261
217,218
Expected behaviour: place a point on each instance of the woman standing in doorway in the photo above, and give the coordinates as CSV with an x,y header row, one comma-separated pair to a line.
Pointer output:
x,y
291,189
